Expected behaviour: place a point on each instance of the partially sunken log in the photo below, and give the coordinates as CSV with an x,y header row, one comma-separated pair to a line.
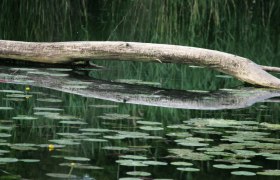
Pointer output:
x,y
64,52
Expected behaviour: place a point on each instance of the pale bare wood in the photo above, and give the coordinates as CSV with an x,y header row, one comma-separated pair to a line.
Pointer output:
x,y
64,52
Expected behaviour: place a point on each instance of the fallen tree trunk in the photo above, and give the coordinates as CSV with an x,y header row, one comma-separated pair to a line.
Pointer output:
x,y
63,52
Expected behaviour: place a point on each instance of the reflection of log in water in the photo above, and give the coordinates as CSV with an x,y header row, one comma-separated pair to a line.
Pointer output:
x,y
143,95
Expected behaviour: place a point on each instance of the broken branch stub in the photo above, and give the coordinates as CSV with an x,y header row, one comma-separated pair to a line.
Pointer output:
x,y
63,52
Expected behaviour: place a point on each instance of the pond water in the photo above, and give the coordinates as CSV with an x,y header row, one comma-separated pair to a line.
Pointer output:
x,y
61,124
140,120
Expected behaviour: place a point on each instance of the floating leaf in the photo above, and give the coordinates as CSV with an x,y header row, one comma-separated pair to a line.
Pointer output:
x,y
135,157
270,172
59,69
24,117
148,123
188,169
61,175
225,166
117,137
2,127
47,109
64,141
114,116
130,178
275,157
51,100
115,148
130,162
73,122
104,106
76,158
190,155
59,74
30,160
22,148
155,163
12,91
81,166
6,108
222,123
4,135
95,130
18,96
95,140
270,126
151,128
138,173
181,163
129,134
243,173
248,166
8,160
180,134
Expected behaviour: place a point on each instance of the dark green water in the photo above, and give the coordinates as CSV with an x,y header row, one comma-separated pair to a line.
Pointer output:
x,y
92,125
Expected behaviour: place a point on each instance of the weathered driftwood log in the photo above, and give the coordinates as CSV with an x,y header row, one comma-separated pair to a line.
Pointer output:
x,y
63,52
136,94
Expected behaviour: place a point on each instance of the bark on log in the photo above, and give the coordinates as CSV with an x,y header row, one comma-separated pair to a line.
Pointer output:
x,y
63,52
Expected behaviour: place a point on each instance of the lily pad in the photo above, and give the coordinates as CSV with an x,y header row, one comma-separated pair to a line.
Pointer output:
x,y
104,106
243,173
150,123
47,109
188,169
248,166
115,148
95,140
95,130
73,122
8,160
76,158
130,162
6,108
24,117
270,172
135,157
190,155
5,135
130,178
151,128
51,100
138,173
155,163
225,166
181,163
64,141
81,166
30,160
61,175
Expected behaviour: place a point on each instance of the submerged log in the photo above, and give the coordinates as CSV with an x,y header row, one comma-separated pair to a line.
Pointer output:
x,y
65,52
137,94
